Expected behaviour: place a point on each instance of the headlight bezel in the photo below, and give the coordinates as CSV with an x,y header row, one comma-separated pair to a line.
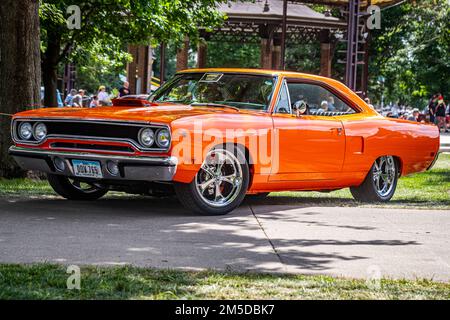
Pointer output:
x,y
140,140
158,143
19,130
35,127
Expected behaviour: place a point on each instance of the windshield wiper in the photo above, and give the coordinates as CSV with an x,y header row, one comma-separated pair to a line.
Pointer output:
x,y
206,104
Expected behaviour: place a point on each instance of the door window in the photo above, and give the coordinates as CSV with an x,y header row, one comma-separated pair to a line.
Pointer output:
x,y
320,101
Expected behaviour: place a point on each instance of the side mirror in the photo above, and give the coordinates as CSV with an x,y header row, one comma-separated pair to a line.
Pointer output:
x,y
300,108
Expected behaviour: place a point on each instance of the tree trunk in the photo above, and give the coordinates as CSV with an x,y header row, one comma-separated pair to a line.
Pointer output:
x,y
20,69
49,69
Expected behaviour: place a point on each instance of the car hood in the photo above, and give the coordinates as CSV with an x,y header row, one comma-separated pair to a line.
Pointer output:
x,y
160,113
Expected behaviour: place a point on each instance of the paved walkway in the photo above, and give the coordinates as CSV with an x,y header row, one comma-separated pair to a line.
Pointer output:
x,y
445,142
351,242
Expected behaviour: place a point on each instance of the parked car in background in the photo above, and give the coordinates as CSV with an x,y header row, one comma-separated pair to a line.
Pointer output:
x,y
213,136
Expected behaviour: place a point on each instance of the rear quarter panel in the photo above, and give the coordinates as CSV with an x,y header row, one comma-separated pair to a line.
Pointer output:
x,y
368,138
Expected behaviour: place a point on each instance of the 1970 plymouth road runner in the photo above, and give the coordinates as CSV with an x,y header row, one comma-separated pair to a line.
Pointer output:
x,y
213,136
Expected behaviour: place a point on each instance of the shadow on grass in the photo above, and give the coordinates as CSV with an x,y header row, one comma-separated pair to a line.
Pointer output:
x,y
43,281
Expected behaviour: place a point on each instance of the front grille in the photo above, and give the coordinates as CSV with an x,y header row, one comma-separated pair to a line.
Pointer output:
x,y
92,130
83,129
90,146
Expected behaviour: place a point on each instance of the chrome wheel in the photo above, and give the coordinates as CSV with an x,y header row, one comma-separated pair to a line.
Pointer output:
x,y
219,180
384,175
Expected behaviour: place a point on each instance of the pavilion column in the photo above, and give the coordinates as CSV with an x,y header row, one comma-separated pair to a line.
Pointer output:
x,y
325,54
202,51
266,53
276,54
162,62
138,69
183,55
132,67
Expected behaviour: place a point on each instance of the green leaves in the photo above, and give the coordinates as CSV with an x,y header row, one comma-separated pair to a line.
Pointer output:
x,y
126,21
412,52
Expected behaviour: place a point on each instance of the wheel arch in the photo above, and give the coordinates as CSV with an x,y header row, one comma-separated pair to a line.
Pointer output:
x,y
399,161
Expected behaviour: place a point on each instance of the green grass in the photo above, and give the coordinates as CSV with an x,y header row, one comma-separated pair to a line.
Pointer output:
x,y
43,281
429,189
24,187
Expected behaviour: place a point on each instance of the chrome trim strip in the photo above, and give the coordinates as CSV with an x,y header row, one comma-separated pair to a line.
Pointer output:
x,y
167,161
102,121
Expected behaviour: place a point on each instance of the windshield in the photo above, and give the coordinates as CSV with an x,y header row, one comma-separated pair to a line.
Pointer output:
x,y
243,91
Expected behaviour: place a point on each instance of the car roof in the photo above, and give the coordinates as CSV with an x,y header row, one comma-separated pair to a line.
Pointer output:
x,y
254,71
331,82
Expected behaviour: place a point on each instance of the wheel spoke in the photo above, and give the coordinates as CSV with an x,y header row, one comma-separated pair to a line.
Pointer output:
x,y
207,170
206,184
221,160
377,167
218,194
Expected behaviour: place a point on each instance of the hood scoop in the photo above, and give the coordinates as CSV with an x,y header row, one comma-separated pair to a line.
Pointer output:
x,y
132,102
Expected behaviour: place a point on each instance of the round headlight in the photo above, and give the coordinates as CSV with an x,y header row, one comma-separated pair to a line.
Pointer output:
x,y
146,137
163,138
25,131
40,131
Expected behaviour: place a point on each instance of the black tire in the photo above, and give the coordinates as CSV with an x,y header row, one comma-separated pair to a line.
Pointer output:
x,y
367,191
191,200
66,189
258,196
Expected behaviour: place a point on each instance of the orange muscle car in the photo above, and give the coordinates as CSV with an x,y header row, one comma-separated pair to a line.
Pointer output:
x,y
213,136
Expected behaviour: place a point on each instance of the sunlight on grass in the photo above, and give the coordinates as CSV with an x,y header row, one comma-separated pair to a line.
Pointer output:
x,y
43,281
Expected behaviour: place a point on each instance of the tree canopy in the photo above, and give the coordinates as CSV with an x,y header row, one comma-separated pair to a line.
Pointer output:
x,y
410,54
107,24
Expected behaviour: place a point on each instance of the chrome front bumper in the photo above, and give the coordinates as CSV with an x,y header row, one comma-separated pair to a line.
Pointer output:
x,y
131,167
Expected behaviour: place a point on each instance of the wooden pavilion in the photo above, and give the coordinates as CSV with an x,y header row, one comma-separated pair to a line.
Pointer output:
x,y
273,24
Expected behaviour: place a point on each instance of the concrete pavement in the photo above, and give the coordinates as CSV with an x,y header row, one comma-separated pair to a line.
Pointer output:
x,y
445,142
342,241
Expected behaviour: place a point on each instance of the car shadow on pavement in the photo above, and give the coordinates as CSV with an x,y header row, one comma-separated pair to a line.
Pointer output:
x,y
161,233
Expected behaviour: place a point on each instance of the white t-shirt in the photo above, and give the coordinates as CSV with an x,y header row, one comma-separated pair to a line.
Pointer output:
x,y
103,96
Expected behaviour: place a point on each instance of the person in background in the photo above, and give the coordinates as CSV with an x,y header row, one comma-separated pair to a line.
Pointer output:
x,y
395,110
95,102
440,113
447,117
103,96
77,101
323,106
432,108
69,98
367,100
414,116
125,90
331,106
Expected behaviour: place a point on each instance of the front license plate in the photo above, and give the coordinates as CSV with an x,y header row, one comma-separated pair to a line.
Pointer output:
x,y
87,169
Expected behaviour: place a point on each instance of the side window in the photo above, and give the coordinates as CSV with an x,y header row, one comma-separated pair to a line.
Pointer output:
x,y
283,104
320,100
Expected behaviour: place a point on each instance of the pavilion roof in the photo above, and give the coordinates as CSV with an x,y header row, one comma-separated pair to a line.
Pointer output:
x,y
296,14
364,3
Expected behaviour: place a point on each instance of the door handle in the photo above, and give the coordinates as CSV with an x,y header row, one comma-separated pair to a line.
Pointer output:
x,y
337,130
